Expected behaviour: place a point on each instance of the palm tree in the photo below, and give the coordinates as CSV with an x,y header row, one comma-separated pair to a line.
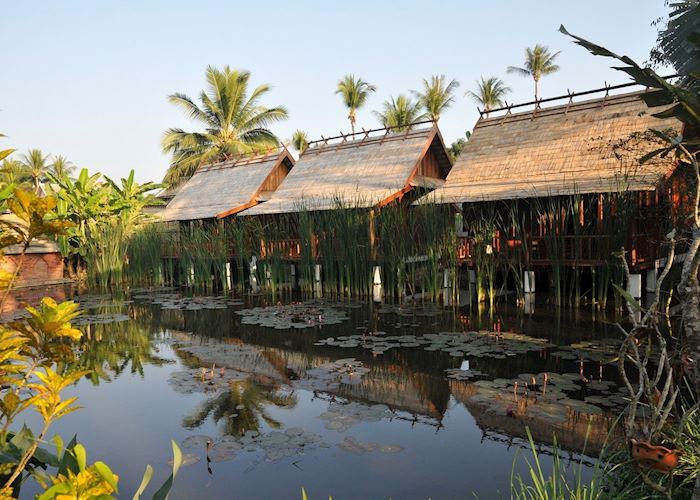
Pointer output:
x,y
398,114
539,62
437,95
489,93
234,123
61,166
13,172
354,92
37,168
300,141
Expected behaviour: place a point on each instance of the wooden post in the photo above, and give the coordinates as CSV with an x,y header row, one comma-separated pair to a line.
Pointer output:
x,y
372,237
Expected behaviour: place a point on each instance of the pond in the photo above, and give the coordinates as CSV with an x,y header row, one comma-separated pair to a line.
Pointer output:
x,y
343,398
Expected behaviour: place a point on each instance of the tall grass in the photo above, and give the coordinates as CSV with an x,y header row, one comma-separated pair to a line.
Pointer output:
x,y
560,484
414,248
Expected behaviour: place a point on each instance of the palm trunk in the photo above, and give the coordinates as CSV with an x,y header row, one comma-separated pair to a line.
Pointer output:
x,y
537,89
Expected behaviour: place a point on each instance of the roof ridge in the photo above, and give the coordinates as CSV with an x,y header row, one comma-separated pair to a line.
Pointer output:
x,y
605,101
243,159
389,136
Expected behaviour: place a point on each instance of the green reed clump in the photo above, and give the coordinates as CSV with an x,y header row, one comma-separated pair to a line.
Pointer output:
x,y
105,255
149,251
484,221
430,250
343,247
203,253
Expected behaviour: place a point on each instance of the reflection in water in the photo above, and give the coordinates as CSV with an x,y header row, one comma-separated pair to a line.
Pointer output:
x,y
107,350
431,406
242,407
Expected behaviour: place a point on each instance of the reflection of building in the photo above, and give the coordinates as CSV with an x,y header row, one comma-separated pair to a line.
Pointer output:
x,y
402,389
577,433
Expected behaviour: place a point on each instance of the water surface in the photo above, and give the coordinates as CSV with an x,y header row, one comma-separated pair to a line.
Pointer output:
x,y
387,421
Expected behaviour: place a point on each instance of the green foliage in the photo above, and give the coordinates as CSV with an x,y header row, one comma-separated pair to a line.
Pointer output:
x,y
560,484
105,214
61,166
234,123
457,146
4,153
539,62
437,95
400,112
678,42
164,491
36,166
300,141
354,91
490,92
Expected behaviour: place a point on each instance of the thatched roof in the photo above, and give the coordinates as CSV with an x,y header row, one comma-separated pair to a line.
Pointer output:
x,y
357,173
578,147
225,188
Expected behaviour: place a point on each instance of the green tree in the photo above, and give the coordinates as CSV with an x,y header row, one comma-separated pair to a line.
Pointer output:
x,y
457,146
37,167
234,123
60,166
490,93
539,62
300,141
354,92
437,95
400,113
13,172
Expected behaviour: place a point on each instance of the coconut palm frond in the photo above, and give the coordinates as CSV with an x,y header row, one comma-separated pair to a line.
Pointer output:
x,y
490,92
539,62
235,121
354,92
437,95
400,113
300,140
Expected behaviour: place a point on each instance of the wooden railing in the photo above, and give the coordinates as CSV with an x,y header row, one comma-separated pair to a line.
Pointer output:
x,y
583,250
588,250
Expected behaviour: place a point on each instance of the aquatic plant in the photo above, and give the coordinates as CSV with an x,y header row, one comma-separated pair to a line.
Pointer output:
x,y
104,215
36,357
560,484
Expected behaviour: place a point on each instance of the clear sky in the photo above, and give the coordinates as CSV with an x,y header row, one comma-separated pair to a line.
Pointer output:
x,y
89,79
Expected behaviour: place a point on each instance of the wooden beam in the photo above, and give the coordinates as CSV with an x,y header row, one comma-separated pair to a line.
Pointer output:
x,y
237,209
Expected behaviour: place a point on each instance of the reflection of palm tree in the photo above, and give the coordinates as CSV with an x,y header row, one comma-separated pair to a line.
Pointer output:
x,y
242,407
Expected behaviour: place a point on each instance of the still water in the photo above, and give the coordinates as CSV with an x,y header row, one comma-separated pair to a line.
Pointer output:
x,y
347,399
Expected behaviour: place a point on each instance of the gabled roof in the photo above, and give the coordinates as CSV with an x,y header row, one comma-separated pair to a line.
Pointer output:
x,y
559,150
359,173
226,188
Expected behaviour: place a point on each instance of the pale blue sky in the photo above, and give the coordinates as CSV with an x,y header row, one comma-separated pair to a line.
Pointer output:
x,y
89,79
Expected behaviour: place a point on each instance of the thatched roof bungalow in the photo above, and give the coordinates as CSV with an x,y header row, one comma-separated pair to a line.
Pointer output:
x,y
370,169
227,188
573,148
584,152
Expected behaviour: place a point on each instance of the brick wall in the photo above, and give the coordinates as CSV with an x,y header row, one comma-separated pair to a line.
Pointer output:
x,y
37,268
